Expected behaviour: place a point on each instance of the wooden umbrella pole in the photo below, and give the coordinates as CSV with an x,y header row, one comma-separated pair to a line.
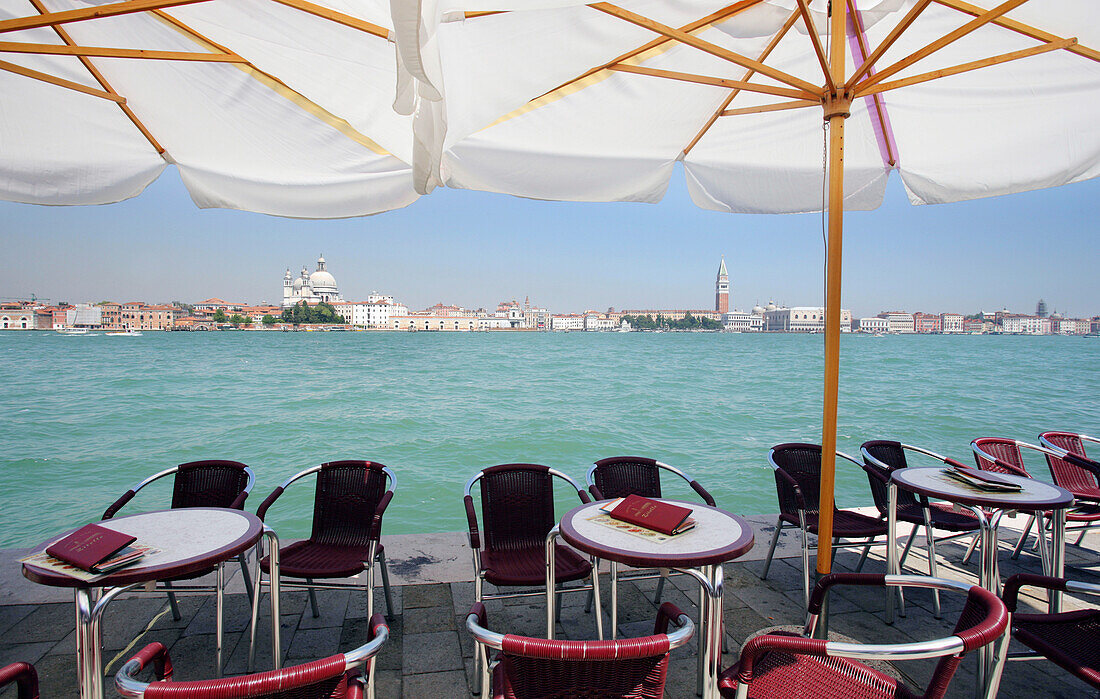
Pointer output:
x,y
837,106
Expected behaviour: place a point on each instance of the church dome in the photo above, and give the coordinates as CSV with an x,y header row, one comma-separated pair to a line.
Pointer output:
x,y
298,284
322,280
771,306
758,310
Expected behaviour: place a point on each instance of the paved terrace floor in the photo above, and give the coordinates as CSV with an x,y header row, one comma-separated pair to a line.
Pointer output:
x,y
430,655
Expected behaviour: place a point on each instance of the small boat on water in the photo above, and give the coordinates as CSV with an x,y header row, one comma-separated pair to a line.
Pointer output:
x,y
125,333
72,331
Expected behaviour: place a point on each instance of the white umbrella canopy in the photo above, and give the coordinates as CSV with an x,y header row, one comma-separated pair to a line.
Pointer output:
x,y
280,107
597,102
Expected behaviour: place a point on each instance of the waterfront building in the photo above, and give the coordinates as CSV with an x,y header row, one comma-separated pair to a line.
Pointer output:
x,y
1041,309
84,315
567,321
1016,323
212,305
722,289
493,322
803,319
669,313
375,312
927,323
428,321
951,322
594,321
513,313
449,311
973,325
898,321
315,288
741,321
873,325
1094,325
536,318
17,316
1068,326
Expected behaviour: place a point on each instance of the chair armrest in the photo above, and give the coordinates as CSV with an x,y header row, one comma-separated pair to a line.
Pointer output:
x,y
471,519
876,473
157,654
24,676
583,496
261,511
376,521
702,492
355,688
784,481
238,502
1020,580
482,614
1083,462
117,505
668,612
596,494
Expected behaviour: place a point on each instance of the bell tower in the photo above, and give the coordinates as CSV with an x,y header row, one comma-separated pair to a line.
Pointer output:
x,y
288,287
722,289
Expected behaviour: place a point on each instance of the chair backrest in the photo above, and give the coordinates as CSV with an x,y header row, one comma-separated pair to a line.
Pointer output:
x,y
1000,448
347,494
24,676
982,621
802,462
210,483
632,668
334,677
1065,474
892,454
620,476
517,505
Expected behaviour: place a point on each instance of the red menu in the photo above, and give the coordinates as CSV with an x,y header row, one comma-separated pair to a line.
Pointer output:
x,y
90,545
651,514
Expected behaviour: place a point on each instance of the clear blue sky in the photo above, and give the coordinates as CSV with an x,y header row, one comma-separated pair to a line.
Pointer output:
x,y
476,249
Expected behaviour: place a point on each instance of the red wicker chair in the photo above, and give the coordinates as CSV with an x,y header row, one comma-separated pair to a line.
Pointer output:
x,y
208,483
537,668
25,678
1073,470
779,665
1002,455
798,482
620,476
881,457
338,676
517,508
349,501
1069,639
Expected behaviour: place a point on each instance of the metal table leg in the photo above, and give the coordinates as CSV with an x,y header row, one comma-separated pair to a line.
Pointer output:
x,y
891,545
1057,555
710,627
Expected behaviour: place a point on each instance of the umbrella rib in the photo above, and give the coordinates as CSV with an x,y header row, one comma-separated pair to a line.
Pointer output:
x,y
885,133
73,50
113,10
717,82
938,44
95,73
279,87
703,23
966,67
706,46
819,50
60,82
1020,28
777,107
791,19
337,17
893,36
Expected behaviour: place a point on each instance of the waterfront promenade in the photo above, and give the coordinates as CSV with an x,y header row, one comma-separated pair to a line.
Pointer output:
x,y
430,654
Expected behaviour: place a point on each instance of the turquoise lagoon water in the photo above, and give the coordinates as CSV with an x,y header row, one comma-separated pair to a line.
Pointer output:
x,y
86,417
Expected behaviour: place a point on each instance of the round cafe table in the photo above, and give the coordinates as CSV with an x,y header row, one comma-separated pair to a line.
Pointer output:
x,y
190,540
988,507
718,537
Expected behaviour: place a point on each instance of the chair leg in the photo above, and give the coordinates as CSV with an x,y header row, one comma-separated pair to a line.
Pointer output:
x,y
771,549
313,599
1023,537
863,556
970,548
256,589
370,613
557,607
479,652
245,575
805,568
931,548
596,594
660,588
172,601
219,609
1084,530
386,585
588,602
905,551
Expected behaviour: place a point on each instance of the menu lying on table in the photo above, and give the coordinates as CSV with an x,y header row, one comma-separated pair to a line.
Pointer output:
x,y
983,480
90,553
662,517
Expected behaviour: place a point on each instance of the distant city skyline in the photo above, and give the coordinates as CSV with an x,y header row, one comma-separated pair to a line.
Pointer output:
x,y
475,250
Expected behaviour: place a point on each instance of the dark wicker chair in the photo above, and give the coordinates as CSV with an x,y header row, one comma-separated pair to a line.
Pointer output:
x,y
517,509
798,483
349,501
208,483
619,476
881,457
338,676
537,668
1069,639
1002,455
1073,470
25,678
783,665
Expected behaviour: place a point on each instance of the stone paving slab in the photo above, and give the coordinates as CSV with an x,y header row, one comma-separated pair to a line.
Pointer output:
x,y
430,654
